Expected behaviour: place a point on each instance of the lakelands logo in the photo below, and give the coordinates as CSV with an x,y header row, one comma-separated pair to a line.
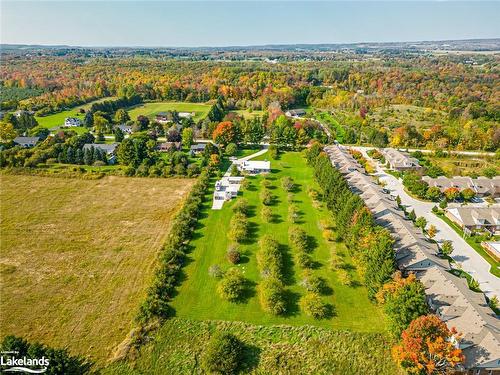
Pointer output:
x,y
10,363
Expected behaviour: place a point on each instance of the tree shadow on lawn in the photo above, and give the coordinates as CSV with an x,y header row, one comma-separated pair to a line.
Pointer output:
x,y
251,187
248,292
288,273
251,234
292,303
251,211
296,188
245,257
276,219
331,312
312,244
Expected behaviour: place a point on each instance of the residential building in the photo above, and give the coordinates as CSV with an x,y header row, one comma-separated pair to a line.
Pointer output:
x,y
186,114
493,248
450,298
169,146
127,129
254,166
225,189
482,186
26,142
197,148
400,161
72,121
447,295
163,117
472,219
295,113
109,149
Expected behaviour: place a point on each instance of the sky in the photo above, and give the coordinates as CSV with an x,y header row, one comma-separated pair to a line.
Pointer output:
x,y
239,23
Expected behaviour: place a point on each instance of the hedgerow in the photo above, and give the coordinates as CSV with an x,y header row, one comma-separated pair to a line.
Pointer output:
x,y
172,257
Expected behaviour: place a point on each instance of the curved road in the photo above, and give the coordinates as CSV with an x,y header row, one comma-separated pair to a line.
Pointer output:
x,y
470,261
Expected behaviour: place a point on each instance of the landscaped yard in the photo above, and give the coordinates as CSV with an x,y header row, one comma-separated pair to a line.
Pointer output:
x,y
495,266
151,109
250,114
197,298
77,256
57,119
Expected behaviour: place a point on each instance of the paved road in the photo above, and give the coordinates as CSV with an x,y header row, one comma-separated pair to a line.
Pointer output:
x,y
463,253
424,151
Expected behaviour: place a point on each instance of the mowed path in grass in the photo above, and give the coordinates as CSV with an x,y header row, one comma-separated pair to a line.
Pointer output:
x,y
151,109
77,256
197,297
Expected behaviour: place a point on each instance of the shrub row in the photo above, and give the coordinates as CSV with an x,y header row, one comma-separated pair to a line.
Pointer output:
x,y
271,289
173,255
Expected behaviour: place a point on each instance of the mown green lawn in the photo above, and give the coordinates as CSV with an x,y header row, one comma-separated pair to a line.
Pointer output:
x,y
57,119
197,297
249,114
151,109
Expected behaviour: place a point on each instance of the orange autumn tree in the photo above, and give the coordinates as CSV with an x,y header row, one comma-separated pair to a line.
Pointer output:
x,y
428,347
225,133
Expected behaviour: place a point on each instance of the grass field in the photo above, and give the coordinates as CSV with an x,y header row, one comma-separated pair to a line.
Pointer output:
x,y
249,114
151,109
77,256
57,119
197,297
464,165
179,345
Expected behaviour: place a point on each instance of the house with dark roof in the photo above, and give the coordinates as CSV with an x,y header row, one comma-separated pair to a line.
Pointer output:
x,y
109,149
400,161
482,186
472,219
169,146
197,148
26,142
295,113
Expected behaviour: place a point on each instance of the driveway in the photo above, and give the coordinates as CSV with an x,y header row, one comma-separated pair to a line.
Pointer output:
x,y
463,253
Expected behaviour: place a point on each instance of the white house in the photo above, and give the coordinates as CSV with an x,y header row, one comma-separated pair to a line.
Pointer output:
x,y
254,166
225,189
72,121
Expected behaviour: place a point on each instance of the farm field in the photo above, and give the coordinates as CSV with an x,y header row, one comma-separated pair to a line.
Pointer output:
x,y
180,343
197,298
57,119
77,256
150,109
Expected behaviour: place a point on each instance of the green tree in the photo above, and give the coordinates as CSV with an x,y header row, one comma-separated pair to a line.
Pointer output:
x,y
187,137
313,306
447,247
119,136
231,149
223,354
404,300
421,222
232,285
121,116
